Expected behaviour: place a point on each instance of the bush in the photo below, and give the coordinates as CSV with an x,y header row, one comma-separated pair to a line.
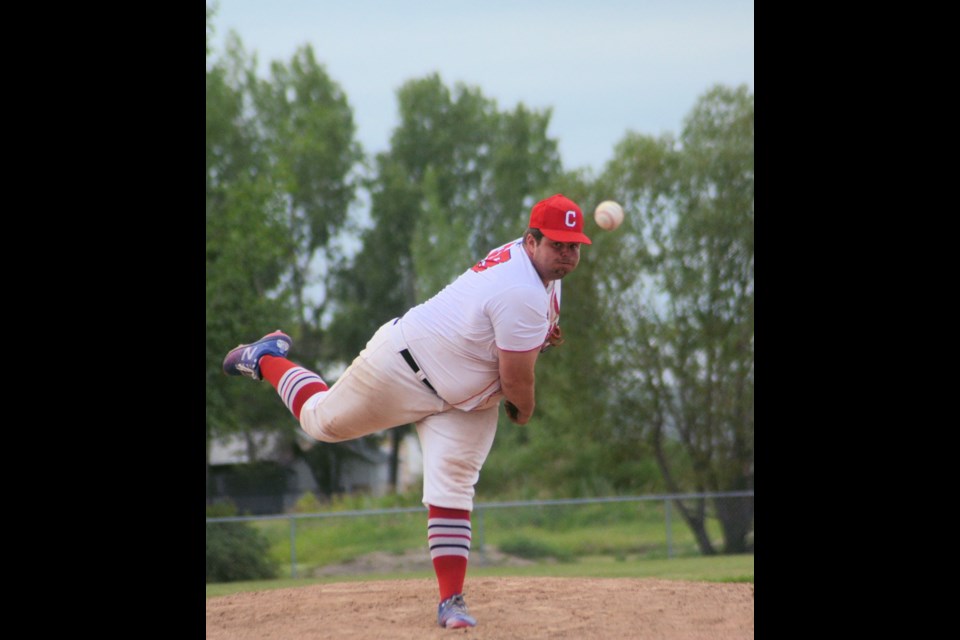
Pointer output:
x,y
235,550
528,549
307,503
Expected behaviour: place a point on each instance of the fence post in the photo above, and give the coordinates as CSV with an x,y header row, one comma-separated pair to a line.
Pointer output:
x,y
479,518
666,504
293,547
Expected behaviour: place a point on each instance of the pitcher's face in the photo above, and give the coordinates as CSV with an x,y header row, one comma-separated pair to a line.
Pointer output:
x,y
552,259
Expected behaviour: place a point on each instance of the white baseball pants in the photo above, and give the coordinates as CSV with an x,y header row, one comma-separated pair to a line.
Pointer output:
x,y
379,391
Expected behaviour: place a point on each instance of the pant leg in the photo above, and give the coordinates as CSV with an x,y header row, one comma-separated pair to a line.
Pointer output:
x,y
455,444
376,392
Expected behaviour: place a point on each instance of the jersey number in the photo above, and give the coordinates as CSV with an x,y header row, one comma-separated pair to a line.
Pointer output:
x,y
495,257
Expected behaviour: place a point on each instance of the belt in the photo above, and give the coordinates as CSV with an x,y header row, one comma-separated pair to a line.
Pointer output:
x,y
416,369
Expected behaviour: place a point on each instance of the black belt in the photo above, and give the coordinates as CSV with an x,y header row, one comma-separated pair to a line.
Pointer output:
x,y
416,368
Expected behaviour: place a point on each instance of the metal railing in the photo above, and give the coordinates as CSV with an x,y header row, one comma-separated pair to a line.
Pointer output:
x,y
478,511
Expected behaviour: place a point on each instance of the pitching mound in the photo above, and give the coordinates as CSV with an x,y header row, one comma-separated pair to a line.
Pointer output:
x,y
575,608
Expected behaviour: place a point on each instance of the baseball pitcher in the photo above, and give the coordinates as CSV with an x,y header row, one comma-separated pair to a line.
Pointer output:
x,y
444,366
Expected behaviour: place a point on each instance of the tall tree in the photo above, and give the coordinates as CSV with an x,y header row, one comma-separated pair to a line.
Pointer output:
x,y
305,133
686,384
246,245
306,129
281,177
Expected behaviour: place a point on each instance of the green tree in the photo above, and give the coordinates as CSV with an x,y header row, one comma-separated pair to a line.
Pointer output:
x,y
685,388
306,128
246,244
281,177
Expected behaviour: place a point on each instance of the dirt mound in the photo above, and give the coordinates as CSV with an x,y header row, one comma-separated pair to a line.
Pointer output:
x,y
505,608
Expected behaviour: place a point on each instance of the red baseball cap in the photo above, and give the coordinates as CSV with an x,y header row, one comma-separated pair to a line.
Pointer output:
x,y
559,218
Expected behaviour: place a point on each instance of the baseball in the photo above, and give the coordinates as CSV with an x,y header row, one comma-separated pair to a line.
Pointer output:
x,y
608,215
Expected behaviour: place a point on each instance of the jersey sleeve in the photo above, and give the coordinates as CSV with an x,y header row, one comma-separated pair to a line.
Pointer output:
x,y
519,317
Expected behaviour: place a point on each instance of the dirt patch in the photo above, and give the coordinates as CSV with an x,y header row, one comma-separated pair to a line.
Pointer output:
x,y
505,608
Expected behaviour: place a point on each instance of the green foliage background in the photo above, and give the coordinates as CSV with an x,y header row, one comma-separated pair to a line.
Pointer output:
x,y
653,389
237,551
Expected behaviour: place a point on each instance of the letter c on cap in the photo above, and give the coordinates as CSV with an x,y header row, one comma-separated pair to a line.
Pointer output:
x,y
571,220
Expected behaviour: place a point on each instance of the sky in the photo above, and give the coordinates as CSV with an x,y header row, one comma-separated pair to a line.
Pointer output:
x,y
604,67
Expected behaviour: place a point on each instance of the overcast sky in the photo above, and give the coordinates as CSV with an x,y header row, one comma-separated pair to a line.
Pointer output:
x,y
605,67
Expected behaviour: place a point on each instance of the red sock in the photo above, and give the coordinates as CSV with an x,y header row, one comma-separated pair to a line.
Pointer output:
x,y
449,535
293,383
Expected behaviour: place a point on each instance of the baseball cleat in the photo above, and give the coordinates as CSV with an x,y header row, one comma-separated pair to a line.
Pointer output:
x,y
244,360
452,613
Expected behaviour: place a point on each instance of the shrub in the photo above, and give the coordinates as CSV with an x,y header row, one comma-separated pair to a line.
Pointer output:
x,y
235,550
528,549
307,503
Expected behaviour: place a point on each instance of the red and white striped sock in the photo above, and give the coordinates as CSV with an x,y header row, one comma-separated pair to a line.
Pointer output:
x,y
449,535
293,383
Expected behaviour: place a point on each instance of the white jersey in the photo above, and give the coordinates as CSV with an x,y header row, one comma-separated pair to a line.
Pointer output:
x,y
455,336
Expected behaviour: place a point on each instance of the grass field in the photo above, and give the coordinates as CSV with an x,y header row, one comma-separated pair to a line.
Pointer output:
x,y
727,568
561,532
625,539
